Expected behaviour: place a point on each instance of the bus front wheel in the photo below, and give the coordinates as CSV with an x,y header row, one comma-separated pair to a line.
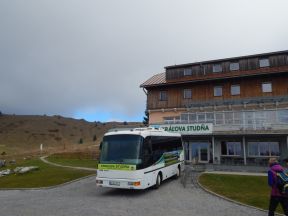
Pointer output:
x,y
158,181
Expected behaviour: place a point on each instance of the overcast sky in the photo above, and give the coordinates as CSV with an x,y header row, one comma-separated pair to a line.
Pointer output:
x,y
87,58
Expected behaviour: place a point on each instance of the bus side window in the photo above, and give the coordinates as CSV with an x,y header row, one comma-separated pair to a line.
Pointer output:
x,y
176,143
147,152
158,147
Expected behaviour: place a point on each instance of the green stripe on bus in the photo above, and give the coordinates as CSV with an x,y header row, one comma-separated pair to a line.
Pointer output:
x,y
125,167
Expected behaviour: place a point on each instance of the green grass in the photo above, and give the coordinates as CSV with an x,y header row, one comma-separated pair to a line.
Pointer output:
x,y
251,190
73,160
47,175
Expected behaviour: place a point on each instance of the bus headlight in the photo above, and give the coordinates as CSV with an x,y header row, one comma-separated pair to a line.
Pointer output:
x,y
99,182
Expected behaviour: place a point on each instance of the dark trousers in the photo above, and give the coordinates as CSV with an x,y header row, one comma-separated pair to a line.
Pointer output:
x,y
274,201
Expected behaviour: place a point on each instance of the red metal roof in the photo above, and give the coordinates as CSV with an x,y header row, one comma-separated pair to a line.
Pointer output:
x,y
155,80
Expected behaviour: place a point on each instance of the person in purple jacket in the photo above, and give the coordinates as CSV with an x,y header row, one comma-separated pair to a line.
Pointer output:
x,y
276,197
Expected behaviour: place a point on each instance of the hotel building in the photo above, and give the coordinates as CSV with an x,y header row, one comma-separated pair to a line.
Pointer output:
x,y
229,111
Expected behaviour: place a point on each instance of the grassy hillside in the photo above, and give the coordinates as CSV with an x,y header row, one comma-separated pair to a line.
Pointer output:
x,y
22,135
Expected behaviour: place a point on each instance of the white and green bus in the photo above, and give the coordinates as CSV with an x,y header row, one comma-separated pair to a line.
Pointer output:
x,y
139,158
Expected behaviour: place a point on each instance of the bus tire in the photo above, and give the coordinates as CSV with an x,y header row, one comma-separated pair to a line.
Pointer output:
x,y
158,181
178,173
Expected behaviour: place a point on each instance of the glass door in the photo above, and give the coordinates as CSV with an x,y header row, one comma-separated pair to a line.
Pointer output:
x,y
199,152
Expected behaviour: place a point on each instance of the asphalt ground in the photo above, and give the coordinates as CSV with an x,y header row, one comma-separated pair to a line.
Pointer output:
x,y
84,198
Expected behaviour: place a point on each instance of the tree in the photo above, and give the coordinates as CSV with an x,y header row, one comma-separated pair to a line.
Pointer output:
x,y
80,141
146,118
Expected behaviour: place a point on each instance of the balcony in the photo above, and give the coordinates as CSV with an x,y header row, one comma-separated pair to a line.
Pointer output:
x,y
224,121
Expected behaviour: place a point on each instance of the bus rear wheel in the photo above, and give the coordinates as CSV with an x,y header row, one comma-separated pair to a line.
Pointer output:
x,y
158,181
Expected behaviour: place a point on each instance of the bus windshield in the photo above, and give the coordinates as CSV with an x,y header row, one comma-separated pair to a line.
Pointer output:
x,y
121,149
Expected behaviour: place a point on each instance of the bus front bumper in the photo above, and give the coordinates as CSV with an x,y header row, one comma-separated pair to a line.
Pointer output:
x,y
120,183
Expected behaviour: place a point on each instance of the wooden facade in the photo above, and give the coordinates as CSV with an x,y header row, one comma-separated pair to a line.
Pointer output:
x,y
247,66
203,91
201,80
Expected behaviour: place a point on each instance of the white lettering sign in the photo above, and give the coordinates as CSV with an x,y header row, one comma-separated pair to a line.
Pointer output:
x,y
205,128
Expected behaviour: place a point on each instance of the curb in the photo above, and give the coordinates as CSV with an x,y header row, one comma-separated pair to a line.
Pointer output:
x,y
236,173
231,200
43,159
49,187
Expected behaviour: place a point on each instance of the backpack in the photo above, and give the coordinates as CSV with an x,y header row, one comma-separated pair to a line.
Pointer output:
x,y
282,182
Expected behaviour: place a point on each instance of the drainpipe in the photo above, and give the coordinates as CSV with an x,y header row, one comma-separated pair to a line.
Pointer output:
x,y
213,149
244,150
145,91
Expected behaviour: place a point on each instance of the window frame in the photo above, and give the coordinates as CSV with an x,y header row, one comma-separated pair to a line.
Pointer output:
x,y
218,87
185,91
186,70
235,145
265,83
215,68
234,63
163,95
258,143
263,62
235,94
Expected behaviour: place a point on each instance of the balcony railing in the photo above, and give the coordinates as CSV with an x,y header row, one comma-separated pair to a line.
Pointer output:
x,y
272,119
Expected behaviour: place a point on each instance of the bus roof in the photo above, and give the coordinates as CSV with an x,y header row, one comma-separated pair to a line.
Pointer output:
x,y
144,132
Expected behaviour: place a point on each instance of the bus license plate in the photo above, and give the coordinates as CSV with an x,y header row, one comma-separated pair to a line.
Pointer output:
x,y
114,183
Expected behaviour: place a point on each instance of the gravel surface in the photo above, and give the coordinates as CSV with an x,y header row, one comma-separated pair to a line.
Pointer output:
x,y
84,198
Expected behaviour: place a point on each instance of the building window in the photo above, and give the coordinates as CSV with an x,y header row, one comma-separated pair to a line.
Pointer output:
x,y
267,87
184,118
219,118
217,91
200,117
192,117
172,119
187,71
163,96
210,117
217,68
235,90
264,62
258,149
282,116
187,93
231,148
234,66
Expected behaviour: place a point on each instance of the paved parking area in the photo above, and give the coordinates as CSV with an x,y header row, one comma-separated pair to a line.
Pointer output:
x,y
83,198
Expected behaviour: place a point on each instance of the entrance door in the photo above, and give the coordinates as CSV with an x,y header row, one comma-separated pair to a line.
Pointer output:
x,y
199,152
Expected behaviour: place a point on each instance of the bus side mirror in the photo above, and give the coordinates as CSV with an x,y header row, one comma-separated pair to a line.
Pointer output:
x,y
100,146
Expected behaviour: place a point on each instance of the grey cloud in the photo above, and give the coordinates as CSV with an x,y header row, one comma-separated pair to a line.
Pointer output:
x,y
58,57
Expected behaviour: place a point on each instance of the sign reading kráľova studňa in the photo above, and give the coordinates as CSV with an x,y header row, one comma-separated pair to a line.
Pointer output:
x,y
205,128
